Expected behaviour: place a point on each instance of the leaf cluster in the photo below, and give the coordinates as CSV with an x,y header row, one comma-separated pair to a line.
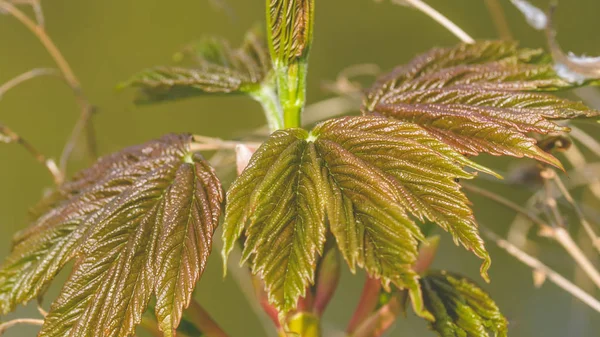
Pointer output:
x,y
139,223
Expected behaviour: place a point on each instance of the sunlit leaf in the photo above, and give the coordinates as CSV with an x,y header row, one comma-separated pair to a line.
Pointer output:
x,y
137,223
217,69
477,98
460,307
366,176
281,194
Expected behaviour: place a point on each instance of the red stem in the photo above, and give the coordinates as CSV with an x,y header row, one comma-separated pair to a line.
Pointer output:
x,y
367,303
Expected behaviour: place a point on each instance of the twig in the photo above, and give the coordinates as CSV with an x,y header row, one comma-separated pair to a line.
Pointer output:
x,y
438,17
536,265
28,75
497,14
36,5
85,107
203,143
40,309
40,33
9,136
31,321
584,222
563,237
505,202
557,232
585,139
38,12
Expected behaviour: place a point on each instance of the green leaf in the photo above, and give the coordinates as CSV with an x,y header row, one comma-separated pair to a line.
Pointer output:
x,y
137,223
460,307
285,192
477,98
218,69
365,175
290,33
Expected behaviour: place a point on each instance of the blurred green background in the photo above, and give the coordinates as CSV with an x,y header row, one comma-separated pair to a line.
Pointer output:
x,y
107,41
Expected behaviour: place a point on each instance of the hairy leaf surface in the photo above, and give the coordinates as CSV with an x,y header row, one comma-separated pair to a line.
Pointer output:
x,y
137,223
218,69
290,29
366,176
460,307
478,98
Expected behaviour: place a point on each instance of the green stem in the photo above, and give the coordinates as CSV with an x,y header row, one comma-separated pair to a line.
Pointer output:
x,y
291,82
269,100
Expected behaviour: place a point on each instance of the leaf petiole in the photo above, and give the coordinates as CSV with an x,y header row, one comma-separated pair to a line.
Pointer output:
x,y
267,97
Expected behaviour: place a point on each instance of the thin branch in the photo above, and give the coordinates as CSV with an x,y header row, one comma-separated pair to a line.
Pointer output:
x,y
86,108
31,321
438,17
40,309
40,33
38,12
36,5
562,236
582,218
505,202
585,139
558,233
26,76
499,19
203,143
9,136
536,265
